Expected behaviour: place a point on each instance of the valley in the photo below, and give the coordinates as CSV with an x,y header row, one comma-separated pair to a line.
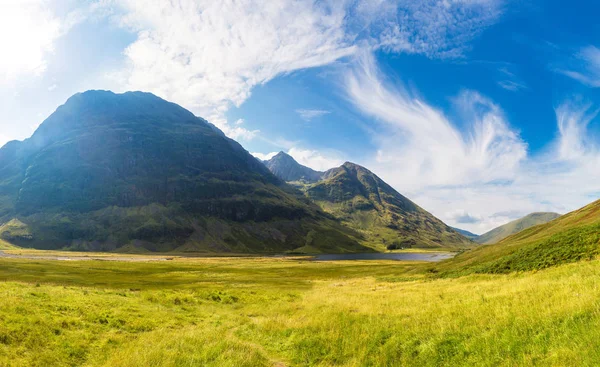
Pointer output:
x,y
290,312
288,183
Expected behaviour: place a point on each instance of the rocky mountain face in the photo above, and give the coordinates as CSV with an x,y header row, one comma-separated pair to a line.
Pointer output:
x,y
136,172
286,168
364,202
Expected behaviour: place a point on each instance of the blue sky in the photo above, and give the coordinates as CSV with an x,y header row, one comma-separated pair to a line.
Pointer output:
x,y
481,111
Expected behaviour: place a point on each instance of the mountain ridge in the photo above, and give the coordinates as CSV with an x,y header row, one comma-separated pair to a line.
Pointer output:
x,y
572,237
364,202
499,233
106,170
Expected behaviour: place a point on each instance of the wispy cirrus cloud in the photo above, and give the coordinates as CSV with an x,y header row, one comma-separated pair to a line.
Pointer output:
x,y
511,85
479,176
585,67
308,114
433,150
209,55
437,29
510,81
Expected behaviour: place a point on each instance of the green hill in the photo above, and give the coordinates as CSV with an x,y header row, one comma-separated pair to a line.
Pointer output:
x,y
387,219
500,233
572,237
108,170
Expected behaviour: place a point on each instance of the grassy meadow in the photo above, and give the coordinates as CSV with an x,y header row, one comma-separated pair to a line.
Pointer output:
x,y
293,312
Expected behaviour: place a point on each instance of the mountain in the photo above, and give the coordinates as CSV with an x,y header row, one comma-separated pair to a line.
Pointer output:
x,y
286,168
467,234
387,219
571,237
122,171
499,233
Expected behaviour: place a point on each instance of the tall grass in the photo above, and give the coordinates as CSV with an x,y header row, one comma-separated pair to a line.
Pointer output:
x,y
274,312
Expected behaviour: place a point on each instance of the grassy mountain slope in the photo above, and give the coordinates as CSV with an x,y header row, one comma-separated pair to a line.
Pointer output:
x,y
467,234
286,168
387,219
572,237
108,170
500,233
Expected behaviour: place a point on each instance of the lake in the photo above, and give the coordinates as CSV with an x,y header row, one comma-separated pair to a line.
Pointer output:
x,y
404,256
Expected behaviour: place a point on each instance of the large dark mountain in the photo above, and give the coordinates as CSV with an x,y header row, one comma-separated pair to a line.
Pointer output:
x,y
366,203
132,170
286,168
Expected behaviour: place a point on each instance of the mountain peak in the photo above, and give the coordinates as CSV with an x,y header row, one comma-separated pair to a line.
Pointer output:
x,y
364,201
288,169
107,170
284,157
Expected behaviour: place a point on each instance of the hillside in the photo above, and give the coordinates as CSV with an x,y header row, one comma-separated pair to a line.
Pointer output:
x,y
388,220
470,235
108,170
572,237
500,233
286,168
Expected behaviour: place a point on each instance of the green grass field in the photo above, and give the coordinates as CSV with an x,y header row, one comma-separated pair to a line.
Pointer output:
x,y
293,312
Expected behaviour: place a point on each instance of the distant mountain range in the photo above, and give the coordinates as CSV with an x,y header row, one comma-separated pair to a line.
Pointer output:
x,y
469,235
133,172
364,202
516,226
568,238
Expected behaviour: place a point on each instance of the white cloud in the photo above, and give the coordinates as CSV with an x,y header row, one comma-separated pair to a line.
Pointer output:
x,y
480,176
438,29
315,159
433,151
208,55
586,68
263,156
510,81
239,133
307,114
463,217
28,30
511,85
573,120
